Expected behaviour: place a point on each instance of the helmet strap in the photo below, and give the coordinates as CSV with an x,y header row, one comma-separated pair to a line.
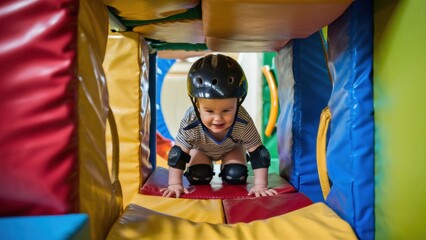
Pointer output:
x,y
194,104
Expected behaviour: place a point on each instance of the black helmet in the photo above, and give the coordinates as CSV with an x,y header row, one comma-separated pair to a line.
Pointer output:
x,y
216,76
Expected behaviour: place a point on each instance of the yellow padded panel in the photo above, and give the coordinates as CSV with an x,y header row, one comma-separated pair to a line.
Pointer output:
x,y
268,20
96,192
149,10
182,31
209,211
316,221
122,71
264,25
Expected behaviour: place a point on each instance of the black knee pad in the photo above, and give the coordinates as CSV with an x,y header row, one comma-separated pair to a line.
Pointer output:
x,y
234,173
199,174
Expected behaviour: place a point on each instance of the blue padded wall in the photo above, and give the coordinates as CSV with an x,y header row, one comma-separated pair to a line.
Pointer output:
x,y
311,92
350,151
163,67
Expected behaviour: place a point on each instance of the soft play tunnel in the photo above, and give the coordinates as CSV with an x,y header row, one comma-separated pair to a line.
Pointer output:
x,y
77,131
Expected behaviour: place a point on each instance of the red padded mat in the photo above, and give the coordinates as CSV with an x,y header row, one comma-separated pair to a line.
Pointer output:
x,y
251,209
216,189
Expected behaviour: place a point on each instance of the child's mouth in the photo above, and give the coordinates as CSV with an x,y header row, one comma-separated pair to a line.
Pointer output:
x,y
218,125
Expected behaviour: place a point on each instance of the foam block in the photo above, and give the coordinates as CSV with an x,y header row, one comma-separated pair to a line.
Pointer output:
x,y
211,209
68,226
251,209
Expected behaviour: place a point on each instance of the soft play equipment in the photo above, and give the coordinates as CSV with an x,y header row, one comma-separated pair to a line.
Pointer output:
x,y
305,88
126,69
79,154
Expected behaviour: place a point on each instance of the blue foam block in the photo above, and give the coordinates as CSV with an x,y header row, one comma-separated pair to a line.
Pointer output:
x,y
70,226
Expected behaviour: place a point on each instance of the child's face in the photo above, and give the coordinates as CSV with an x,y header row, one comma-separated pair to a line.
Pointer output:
x,y
217,114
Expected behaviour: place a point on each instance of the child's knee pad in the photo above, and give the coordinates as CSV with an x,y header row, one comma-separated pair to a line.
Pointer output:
x,y
199,174
234,173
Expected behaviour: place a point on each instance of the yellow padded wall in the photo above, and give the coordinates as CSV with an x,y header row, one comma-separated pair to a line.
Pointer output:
x,y
400,118
97,197
145,112
122,66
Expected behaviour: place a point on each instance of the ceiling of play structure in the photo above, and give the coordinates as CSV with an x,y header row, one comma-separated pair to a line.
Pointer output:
x,y
222,25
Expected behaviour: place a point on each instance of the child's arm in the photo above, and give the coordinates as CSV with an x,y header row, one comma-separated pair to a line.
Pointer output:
x,y
177,161
260,159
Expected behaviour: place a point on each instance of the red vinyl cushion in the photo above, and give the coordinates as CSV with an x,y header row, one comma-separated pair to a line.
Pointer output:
x,y
250,209
215,190
38,143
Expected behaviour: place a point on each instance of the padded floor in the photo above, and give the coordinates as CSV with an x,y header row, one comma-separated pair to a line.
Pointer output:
x,y
316,221
216,189
251,209
208,210
228,214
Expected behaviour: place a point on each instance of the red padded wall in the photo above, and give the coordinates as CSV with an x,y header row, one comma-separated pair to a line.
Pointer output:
x,y
38,144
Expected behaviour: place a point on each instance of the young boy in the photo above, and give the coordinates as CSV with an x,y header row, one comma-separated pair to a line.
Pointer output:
x,y
217,127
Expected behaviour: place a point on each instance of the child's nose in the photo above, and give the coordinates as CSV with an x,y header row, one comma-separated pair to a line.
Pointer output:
x,y
218,117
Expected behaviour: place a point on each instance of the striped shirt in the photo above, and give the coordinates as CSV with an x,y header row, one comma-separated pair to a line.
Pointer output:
x,y
194,135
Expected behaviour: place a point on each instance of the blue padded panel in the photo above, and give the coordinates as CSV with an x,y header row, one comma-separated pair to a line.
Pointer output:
x,y
312,91
304,93
70,226
285,79
350,153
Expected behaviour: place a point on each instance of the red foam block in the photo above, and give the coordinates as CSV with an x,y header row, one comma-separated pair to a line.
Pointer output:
x,y
215,190
250,209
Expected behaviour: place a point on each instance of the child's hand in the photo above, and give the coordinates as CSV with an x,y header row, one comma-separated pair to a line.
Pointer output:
x,y
261,190
174,190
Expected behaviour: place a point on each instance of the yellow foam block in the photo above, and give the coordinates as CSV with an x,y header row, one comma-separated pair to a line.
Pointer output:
x,y
209,211
316,221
